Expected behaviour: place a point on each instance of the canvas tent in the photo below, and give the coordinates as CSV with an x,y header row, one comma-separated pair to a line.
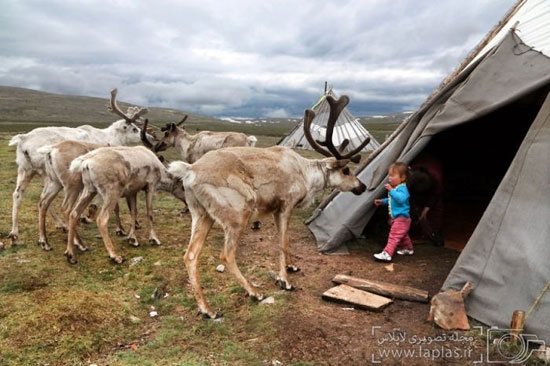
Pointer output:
x,y
347,127
489,123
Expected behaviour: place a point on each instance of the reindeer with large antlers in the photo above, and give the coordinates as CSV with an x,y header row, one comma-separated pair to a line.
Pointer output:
x,y
232,184
193,147
31,161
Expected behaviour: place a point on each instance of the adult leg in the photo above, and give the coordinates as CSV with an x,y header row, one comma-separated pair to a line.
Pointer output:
x,y
132,206
24,177
282,220
233,231
49,192
201,224
149,204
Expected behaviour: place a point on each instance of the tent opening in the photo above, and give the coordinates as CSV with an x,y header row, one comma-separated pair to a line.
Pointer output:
x,y
475,156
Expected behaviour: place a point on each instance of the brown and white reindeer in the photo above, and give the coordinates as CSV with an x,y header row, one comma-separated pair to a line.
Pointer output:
x,y
193,147
57,177
230,185
114,172
31,161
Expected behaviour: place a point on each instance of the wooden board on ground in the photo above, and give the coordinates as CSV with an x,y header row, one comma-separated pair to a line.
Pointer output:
x,y
383,288
358,298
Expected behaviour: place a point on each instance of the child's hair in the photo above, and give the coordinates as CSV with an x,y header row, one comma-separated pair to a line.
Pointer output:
x,y
401,168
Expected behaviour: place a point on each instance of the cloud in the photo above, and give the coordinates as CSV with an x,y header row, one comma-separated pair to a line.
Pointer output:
x,y
246,57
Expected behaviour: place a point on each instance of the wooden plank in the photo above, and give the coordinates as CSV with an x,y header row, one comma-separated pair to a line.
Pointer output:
x,y
384,288
359,298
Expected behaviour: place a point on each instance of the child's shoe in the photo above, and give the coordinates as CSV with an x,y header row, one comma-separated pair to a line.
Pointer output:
x,y
405,252
383,256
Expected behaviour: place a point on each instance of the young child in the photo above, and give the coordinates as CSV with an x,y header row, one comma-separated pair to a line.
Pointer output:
x,y
399,210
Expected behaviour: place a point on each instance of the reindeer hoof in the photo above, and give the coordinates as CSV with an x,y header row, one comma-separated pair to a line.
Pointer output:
x,y
213,316
14,238
81,247
138,226
285,285
63,228
120,232
85,220
184,211
44,245
154,242
257,297
292,269
70,258
256,225
118,259
133,242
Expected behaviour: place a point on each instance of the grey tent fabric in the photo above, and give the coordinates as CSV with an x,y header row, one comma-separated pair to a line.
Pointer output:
x,y
346,127
507,257
508,254
488,85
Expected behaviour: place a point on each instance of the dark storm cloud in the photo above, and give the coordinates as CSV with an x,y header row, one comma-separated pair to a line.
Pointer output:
x,y
241,58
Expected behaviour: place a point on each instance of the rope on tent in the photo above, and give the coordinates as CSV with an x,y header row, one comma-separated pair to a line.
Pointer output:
x,y
537,300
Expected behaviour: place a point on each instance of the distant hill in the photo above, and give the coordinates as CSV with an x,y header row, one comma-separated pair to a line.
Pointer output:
x,y
31,106
24,109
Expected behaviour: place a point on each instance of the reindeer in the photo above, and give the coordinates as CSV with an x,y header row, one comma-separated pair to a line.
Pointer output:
x,y
192,147
32,162
57,177
229,185
114,172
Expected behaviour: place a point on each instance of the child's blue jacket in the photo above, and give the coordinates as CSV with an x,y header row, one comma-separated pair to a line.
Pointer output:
x,y
398,202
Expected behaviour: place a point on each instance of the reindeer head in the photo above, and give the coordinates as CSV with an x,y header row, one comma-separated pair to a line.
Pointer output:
x,y
338,175
171,131
126,130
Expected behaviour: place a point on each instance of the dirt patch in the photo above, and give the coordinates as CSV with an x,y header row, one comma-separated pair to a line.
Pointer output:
x,y
319,332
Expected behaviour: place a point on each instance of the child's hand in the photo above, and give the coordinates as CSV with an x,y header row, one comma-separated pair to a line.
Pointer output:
x,y
377,202
388,186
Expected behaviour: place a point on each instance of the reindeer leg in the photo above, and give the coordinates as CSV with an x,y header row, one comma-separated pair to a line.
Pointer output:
x,y
282,219
59,224
109,202
119,231
24,177
132,205
233,232
136,223
71,196
202,222
49,192
149,203
83,202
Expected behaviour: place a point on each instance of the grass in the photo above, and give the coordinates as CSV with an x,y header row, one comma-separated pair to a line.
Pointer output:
x,y
95,312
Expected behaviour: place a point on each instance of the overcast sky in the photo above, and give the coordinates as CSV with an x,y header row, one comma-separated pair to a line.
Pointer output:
x,y
257,58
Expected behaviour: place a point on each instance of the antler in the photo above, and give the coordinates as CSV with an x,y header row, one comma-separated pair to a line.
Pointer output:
x,y
336,107
172,126
183,120
133,112
143,134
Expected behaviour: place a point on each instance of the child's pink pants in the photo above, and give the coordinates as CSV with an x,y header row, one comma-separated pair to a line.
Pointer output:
x,y
399,233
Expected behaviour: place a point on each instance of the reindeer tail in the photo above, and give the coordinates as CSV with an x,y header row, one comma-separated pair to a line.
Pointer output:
x,y
46,149
181,170
16,139
77,164
251,140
